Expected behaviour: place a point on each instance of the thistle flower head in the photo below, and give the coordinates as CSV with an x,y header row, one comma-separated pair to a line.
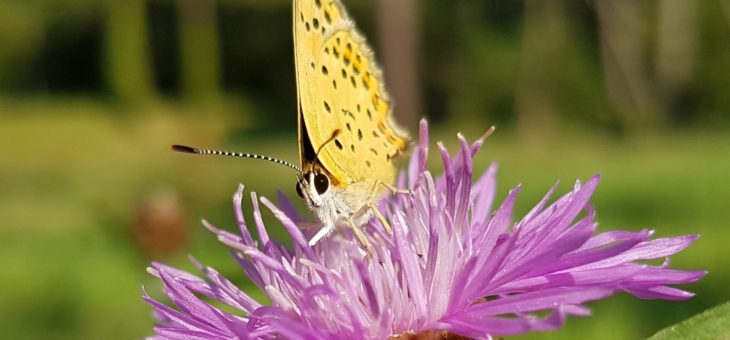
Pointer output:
x,y
453,264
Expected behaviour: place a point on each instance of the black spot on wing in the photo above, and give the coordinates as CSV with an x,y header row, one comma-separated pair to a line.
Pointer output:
x,y
327,107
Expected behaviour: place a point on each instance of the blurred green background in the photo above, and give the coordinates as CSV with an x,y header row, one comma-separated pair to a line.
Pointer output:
x,y
93,91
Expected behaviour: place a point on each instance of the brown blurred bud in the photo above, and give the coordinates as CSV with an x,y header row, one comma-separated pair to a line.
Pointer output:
x,y
159,228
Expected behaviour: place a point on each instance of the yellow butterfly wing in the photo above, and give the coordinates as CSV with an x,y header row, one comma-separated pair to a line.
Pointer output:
x,y
340,87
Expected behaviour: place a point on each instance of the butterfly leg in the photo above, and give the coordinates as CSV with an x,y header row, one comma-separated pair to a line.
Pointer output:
x,y
381,218
392,188
326,230
374,209
360,236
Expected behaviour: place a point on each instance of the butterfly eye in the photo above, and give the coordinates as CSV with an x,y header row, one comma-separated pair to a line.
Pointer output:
x,y
300,193
321,183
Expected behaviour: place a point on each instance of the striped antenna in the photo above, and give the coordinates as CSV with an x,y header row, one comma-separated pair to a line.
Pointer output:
x,y
187,149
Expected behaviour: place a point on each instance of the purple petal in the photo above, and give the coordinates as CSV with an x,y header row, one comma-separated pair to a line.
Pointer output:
x,y
368,286
657,276
498,223
648,250
191,305
464,185
484,327
602,276
540,300
260,229
569,242
410,267
292,228
418,163
449,177
579,258
660,292
484,191
286,206
238,212
180,319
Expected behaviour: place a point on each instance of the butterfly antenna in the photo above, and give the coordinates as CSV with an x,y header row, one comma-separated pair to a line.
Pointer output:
x,y
188,149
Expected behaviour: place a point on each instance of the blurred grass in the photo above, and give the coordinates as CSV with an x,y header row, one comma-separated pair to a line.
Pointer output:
x,y
74,169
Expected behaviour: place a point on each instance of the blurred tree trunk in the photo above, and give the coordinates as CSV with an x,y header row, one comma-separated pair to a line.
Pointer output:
x,y
200,51
676,52
398,27
128,69
22,36
543,40
624,52
725,7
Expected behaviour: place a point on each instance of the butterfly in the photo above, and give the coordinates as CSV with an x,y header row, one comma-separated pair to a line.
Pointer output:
x,y
343,108
348,140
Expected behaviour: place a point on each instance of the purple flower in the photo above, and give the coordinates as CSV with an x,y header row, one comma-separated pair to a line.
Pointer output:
x,y
453,264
